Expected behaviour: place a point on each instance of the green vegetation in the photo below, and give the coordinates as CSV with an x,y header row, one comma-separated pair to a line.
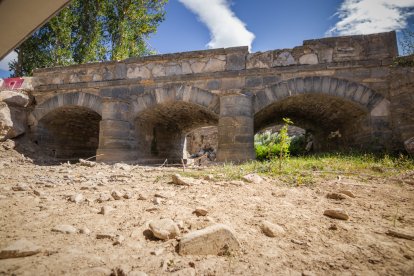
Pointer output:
x,y
270,145
89,31
304,170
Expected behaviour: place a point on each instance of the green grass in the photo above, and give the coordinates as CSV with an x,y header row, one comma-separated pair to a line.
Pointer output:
x,y
303,170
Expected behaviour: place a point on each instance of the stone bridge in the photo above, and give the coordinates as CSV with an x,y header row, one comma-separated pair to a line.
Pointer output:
x,y
140,109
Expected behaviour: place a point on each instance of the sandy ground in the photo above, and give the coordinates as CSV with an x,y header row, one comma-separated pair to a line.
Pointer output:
x,y
312,244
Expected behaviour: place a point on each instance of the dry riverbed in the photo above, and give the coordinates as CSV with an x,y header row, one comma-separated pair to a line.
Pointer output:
x,y
97,219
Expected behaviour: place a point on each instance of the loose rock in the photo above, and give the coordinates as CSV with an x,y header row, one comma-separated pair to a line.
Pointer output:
x,y
128,195
209,177
336,214
102,236
218,239
337,196
77,198
8,144
20,188
105,210
103,197
142,197
64,228
87,163
156,201
200,211
118,239
400,234
271,229
116,195
179,180
348,193
84,230
38,193
20,248
164,229
253,178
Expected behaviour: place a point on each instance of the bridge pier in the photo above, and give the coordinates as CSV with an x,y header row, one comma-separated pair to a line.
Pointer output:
x,y
116,143
236,129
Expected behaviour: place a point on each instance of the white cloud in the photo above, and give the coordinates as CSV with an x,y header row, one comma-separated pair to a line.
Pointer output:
x,y
372,16
4,63
225,28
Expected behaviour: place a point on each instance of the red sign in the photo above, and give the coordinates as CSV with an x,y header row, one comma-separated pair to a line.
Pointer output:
x,y
12,83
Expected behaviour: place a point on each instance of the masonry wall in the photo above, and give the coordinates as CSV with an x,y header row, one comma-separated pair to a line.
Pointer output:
x,y
361,61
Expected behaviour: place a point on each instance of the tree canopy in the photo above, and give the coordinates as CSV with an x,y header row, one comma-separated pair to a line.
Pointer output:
x,y
90,31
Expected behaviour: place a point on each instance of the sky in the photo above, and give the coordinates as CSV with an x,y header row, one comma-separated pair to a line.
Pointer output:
x,y
269,24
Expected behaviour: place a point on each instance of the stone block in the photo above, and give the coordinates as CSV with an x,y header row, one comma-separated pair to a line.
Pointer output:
x,y
115,143
158,70
213,84
215,65
114,129
136,90
173,70
115,155
236,105
218,239
325,55
308,59
115,110
254,81
138,71
236,62
120,71
259,60
186,68
197,66
115,92
232,83
269,80
284,59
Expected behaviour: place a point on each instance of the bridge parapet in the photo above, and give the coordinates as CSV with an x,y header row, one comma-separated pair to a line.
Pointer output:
x,y
341,84
379,48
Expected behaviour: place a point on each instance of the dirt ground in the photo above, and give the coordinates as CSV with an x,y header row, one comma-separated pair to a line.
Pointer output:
x,y
35,199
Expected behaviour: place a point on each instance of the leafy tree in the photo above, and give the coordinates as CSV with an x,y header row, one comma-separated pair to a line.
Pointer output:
x,y
89,31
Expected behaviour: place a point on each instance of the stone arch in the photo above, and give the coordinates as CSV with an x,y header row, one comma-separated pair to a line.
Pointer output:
x,y
322,105
359,94
81,99
163,117
176,93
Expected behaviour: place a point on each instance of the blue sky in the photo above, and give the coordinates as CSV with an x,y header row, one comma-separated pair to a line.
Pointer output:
x,y
270,24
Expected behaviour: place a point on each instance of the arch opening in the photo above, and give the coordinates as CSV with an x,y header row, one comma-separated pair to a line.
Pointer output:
x,y
68,133
334,123
161,130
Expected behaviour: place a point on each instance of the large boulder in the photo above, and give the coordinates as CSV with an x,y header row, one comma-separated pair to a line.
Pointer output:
x,y
14,98
12,121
